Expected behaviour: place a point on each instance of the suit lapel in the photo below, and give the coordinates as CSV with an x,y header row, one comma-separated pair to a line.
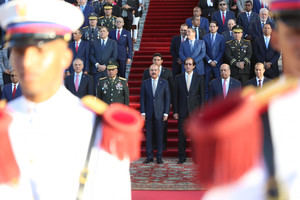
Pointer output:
x,y
184,83
220,86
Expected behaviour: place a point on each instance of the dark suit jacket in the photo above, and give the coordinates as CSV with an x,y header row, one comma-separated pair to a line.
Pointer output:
x,y
158,104
227,36
85,86
174,50
124,44
7,92
164,74
254,82
263,54
216,88
256,6
203,23
187,101
255,29
103,55
217,17
206,10
216,51
198,54
86,12
243,21
83,54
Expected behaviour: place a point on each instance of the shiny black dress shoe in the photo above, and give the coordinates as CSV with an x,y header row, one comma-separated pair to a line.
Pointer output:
x,y
148,160
159,161
181,161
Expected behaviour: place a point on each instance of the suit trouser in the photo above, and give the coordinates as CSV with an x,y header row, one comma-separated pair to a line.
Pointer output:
x,y
157,126
122,68
208,70
181,139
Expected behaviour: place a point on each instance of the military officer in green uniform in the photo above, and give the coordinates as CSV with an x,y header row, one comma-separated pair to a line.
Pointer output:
x,y
112,89
238,54
108,19
91,32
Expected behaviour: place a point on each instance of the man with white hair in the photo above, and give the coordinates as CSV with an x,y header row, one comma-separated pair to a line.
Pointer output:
x,y
256,27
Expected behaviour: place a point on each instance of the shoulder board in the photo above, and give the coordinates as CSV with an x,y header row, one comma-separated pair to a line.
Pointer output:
x,y
229,41
103,78
121,78
85,27
101,17
247,40
94,104
114,17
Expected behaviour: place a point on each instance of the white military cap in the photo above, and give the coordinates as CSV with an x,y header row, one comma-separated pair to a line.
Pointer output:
x,y
29,22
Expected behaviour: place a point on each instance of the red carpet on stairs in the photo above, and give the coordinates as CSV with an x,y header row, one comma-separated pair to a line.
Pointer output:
x,y
167,195
162,23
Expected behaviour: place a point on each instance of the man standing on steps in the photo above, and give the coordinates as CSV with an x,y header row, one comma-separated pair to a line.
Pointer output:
x,y
174,49
203,20
155,105
166,74
188,95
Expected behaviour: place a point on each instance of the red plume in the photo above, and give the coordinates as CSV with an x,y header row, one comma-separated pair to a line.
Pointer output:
x,y
9,170
122,131
227,139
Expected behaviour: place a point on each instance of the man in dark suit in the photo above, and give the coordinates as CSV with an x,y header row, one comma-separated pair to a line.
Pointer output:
x,y
86,9
256,27
223,86
80,49
12,90
222,16
200,32
164,72
195,49
228,35
78,83
208,8
215,47
245,18
265,53
238,53
203,21
188,95
259,80
102,51
174,49
155,105
123,39
128,8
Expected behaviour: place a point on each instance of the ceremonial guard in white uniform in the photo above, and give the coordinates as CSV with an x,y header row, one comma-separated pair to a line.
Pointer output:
x,y
53,145
247,146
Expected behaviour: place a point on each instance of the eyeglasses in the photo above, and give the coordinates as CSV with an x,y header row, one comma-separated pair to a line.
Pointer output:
x,y
222,4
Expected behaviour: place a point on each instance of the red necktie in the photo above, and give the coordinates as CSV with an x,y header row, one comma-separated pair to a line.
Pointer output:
x,y
76,47
223,17
14,91
118,36
262,4
224,88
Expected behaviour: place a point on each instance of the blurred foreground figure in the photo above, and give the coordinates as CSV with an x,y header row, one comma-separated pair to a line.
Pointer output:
x,y
247,145
54,146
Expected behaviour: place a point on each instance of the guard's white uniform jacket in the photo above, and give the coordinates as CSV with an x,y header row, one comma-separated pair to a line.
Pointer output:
x,y
285,127
50,141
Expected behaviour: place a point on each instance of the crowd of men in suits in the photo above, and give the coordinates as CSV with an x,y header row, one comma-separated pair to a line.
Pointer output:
x,y
224,46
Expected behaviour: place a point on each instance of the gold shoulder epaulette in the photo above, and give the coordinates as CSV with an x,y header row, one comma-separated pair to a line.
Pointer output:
x,y
121,78
114,17
247,40
2,104
229,41
94,104
103,78
272,89
101,17
85,27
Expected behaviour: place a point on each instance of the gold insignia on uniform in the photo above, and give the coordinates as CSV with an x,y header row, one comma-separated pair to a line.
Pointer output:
x,y
123,79
94,104
102,78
